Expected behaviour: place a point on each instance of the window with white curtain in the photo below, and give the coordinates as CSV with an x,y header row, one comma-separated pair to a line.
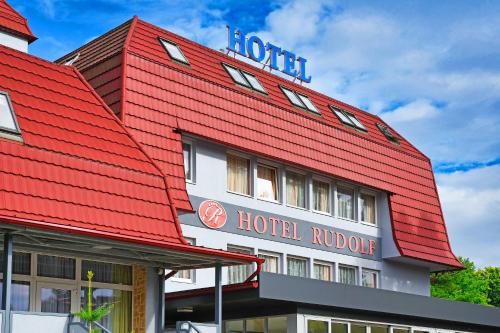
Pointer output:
x,y
267,183
370,278
296,266
187,152
348,274
238,174
295,189
238,274
322,271
345,202
321,196
367,202
271,263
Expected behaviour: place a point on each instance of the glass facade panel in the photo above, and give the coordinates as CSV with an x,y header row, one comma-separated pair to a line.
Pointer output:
x,y
107,272
238,174
367,208
297,267
120,318
347,275
55,300
277,325
233,326
317,326
295,189
267,183
257,325
340,328
20,300
56,267
321,196
345,202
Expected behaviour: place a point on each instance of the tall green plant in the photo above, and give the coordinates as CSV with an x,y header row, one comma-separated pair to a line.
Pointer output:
x,y
90,315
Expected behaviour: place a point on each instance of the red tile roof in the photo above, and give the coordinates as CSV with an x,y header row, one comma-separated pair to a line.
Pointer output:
x,y
13,22
77,168
161,98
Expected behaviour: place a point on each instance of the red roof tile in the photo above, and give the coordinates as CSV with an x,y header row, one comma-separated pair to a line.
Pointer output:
x,y
162,98
14,22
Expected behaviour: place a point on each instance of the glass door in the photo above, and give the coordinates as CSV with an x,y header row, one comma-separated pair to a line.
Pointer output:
x,y
55,298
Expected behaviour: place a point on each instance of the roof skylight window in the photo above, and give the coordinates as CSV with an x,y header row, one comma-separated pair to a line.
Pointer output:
x,y
72,60
302,101
388,134
245,79
174,51
348,118
8,122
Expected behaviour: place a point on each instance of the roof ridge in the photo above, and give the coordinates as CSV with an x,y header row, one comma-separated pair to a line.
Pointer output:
x,y
30,35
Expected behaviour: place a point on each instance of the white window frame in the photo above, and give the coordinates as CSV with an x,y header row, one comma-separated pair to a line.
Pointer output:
x,y
277,255
308,318
306,187
16,132
324,263
183,61
192,272
331,191
357,272
251,163
367,192
307,261
354,202
243,249
269,165
192,162
300,103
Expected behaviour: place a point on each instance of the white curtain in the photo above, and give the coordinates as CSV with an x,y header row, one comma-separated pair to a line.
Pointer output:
x,y
267,184
347,275
367,208
238,174
296,267
322,272
238,274
295,189
321,196
345,202
271,263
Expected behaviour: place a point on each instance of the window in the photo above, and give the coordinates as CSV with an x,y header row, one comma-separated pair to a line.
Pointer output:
x,y
238,274
370,278
267,183
359,328
321,196
296,266
322,271
238,174
244,78
367,202
317,326
174,51
300,100
233,326
345,202
400,330
256,325
21,263
379,329
388,134
70,61
348,274
187,275
277,325
20,295
295,189
8,122
272,262
56,267
348,118
107,272
120,318
187,152
340,327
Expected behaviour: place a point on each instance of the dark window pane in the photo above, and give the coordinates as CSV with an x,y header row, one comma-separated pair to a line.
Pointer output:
x,y
107,272
56,267
21,263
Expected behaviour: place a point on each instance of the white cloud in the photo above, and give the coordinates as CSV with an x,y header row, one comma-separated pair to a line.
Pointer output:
x,y
417,110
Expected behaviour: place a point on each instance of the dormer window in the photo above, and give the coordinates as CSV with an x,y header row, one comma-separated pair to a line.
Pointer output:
x,y
348,119
70,61
388,134
174,51
300,100
8,122
244,78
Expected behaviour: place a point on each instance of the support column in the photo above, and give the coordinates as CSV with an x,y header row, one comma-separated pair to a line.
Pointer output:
x,y
7,280
218,297
161,301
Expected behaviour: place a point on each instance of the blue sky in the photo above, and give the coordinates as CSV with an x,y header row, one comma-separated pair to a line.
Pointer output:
x,y
430,68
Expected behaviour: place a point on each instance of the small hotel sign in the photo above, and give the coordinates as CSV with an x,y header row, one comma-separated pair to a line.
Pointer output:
x,y
278,58
248,222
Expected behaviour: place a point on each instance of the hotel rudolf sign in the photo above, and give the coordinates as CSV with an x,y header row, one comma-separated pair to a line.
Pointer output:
x,y
243,221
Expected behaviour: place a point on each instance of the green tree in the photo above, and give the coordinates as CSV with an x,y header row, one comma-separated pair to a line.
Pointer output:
x,y
492,276
466,285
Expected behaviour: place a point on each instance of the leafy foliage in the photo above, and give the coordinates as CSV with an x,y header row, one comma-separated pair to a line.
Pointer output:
x,y
478,286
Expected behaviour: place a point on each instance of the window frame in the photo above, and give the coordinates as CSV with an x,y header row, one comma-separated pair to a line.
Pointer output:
x,y
9,131
247,84
305,259
360,207
244,73
354,202
275,255
184,62
278,181
192,152
70,61
384,129
306,187
377,277
302,105
239,249
348,115
327,264
356,275
249,174
331,201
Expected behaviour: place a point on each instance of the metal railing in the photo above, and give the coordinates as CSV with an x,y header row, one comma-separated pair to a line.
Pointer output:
x,y
190,327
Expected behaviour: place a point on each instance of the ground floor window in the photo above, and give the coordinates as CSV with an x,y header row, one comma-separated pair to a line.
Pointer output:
x,y
58,285
277,324
317,326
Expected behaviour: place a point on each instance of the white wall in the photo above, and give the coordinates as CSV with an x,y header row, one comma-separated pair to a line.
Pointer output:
x,y
210,182
14,42
30,322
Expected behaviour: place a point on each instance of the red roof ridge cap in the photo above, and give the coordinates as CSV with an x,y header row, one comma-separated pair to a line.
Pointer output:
x,y
139,146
